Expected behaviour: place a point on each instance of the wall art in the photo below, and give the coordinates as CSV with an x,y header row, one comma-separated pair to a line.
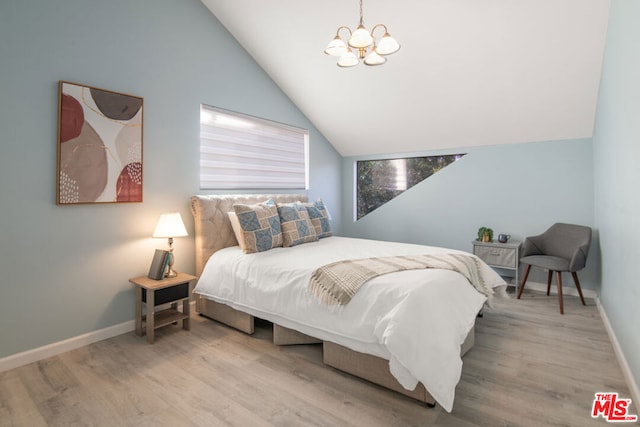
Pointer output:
x,y
99,146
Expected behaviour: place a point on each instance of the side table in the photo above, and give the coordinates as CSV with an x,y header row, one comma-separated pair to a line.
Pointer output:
x,y
153,293
500,255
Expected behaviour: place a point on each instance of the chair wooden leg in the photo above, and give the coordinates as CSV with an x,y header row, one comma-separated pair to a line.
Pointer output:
x,y
577,282
524,280
559,277
549,281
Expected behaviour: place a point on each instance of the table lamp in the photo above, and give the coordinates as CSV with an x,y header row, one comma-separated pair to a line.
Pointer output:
x,y
170,225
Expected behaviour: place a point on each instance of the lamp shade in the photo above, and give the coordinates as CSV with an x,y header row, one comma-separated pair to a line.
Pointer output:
x,y
170,225
387,45
374,59
336,47
349,59
360,38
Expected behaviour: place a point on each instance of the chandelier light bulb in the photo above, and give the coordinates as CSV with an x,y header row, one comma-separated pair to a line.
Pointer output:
x,y
387,45
360,38
337,47
374,59
349,59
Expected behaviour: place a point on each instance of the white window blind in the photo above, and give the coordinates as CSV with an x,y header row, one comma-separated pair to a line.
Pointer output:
x,y
238,151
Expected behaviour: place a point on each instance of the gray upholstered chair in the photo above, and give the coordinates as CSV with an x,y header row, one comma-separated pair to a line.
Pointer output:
x,y
563,247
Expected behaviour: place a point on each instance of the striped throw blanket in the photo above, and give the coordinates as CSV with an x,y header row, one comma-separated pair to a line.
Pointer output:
x,y
338,282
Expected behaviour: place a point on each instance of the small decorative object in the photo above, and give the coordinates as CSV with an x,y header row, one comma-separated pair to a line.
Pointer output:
x,y
99,146
158,264
485,234
503,238
170,226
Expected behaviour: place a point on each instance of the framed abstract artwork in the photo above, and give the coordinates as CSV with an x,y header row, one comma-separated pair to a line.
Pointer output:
x,y
99,146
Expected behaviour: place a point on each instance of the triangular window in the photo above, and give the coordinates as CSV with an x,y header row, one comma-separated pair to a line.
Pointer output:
x,y
378,181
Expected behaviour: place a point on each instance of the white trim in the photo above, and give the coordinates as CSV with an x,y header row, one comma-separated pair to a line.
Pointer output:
x,y
568,288
53,349
622,361
36,354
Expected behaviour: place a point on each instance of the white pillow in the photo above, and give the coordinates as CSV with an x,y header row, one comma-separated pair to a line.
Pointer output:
x,y
237,229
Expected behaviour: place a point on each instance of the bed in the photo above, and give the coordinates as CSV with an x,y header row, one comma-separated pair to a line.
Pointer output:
x,y
396,331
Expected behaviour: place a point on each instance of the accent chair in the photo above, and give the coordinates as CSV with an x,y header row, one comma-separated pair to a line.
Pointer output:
x,y
563,247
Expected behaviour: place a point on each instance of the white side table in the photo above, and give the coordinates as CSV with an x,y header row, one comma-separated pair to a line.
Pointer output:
x,y
500,255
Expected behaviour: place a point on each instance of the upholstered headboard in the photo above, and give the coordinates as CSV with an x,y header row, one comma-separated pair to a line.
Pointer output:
x,y
212,225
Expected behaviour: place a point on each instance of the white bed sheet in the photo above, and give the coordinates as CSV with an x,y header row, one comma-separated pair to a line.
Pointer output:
x,y
382,319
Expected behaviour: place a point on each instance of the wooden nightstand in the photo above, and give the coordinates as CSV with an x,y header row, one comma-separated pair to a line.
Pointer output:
x,y
153,293
500,255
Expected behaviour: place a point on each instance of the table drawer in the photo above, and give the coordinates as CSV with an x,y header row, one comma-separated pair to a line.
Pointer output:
x,y
170,294
499,257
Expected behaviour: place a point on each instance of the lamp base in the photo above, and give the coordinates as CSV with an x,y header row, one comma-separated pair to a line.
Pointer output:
x,y
170,271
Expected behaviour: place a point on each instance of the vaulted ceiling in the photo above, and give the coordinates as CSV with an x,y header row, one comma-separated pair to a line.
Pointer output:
x,y
469,73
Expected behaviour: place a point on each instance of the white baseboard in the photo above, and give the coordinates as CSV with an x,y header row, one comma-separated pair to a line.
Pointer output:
x,y
622,361
36,354
53,349
568,288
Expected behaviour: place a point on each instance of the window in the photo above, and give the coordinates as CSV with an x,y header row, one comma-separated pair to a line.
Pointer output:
x,y
378,181
238,151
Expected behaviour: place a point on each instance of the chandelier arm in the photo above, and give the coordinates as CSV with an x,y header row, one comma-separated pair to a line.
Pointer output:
x,y
379,25
341,28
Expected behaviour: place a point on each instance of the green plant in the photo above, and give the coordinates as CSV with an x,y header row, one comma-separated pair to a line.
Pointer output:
x,y
485,234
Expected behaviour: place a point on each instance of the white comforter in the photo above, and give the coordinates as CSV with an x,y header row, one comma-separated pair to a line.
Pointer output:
x,y
416,319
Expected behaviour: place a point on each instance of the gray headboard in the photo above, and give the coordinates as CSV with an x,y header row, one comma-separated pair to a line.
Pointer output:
x,y
212,226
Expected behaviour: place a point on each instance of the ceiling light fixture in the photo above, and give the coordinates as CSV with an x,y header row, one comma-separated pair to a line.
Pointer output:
x,y
361,40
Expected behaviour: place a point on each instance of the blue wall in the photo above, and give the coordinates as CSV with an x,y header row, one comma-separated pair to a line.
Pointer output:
x,y
518,189
616,157
65,269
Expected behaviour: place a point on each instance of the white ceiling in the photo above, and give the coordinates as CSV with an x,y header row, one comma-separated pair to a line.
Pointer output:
x,y
469,73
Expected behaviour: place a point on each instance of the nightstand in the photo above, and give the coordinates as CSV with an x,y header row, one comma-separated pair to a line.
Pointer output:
x,y
500,255
153,293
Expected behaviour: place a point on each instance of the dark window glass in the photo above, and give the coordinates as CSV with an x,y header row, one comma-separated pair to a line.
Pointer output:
x,y
378,181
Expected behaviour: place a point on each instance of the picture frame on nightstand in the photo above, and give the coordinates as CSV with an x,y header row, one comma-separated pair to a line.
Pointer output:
x,y
158,264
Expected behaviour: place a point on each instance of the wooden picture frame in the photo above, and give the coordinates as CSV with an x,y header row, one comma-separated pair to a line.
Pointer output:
x,y
100,135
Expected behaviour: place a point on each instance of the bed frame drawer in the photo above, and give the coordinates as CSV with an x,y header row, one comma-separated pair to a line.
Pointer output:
x,y
376,369
370,368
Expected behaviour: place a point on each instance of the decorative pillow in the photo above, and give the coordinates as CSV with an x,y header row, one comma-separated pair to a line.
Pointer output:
x,y
296,225
260,226
319,217
237,229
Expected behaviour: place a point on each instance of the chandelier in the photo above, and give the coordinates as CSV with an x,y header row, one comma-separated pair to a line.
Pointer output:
x,y
364,42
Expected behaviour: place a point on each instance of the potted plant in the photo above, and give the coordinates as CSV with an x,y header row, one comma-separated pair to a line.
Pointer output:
x,y
485,234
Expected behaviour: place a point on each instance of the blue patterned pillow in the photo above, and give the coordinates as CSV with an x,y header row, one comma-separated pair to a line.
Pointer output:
x,y
296,225
260,226
319,217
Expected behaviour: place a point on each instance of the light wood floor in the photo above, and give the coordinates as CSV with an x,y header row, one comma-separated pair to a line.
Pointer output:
x,y
530,366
